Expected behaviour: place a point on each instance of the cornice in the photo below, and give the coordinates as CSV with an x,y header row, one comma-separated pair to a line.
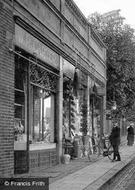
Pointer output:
x,y
98,57
97,37
78,14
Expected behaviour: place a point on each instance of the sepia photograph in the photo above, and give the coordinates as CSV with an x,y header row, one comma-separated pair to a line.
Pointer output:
x,y
67,95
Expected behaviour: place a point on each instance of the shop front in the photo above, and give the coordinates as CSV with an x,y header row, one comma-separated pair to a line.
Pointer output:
x,y
82,110
96,107
36,84
37,117
50,57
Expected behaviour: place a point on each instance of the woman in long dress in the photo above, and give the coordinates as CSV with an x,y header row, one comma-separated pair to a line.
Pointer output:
x,y
130,135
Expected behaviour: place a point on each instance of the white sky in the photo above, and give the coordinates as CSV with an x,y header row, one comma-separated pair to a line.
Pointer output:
x,y
127,8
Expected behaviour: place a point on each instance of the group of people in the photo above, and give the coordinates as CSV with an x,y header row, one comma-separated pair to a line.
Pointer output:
x,y
115,139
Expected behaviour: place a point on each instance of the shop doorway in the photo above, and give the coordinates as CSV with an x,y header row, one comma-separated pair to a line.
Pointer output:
x,y
96,118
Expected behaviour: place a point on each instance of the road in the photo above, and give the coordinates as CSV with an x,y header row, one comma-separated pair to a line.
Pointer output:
x,y
125,180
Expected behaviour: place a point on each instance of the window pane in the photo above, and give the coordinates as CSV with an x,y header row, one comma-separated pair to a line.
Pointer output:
x,y
19,112
20,101
43,115
19,97
19,75
48,119
37,110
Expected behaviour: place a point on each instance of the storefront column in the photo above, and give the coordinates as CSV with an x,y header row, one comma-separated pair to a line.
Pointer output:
x,y
104,114
59,112
101,116
102,95
88,104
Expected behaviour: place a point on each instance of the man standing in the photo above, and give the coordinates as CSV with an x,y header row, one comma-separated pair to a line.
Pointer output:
x,y
115,141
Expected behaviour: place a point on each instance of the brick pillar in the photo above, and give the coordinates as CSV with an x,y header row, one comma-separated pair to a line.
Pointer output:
x,y
6,90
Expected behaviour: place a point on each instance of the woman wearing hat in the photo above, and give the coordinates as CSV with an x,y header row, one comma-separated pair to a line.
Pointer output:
x,y
130,135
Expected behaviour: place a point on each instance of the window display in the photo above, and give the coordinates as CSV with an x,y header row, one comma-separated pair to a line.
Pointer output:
x,y
20,99
38,96
42,120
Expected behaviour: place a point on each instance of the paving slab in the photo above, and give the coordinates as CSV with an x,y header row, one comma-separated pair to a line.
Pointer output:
x,y
80,174
96,175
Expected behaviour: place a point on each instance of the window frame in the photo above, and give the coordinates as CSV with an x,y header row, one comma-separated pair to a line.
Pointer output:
x,y
27,60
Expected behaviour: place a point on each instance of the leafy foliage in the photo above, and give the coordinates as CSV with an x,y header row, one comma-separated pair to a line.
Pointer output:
x,y
69,105
120,41
84,123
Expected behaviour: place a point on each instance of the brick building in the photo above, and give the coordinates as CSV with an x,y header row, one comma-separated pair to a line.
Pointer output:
x,y
43,45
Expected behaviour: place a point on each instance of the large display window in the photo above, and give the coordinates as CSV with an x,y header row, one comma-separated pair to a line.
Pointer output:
x,y
20,122
42,120
35,98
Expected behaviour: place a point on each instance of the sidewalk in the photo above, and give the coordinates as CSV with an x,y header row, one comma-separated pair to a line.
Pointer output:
x,y
80,174
95,175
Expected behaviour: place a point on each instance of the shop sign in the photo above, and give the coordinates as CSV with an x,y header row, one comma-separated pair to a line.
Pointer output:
x,y
31,44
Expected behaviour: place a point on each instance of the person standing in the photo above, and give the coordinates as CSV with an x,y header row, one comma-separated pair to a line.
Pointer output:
x,y
130,135
115,142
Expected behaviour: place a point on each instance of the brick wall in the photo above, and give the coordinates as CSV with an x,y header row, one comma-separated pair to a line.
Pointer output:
x,y
6,90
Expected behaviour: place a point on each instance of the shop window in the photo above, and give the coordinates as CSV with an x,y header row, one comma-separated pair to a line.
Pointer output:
x,y
95,112
41,103
20,101
42,121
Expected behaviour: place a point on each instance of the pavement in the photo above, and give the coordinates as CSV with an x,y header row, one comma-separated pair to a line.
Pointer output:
x,y
81,174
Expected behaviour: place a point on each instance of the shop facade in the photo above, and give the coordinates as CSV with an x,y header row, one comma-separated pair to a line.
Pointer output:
x,y
53,82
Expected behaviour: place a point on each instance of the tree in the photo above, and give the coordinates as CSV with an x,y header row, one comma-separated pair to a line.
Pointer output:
x,y
120,41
